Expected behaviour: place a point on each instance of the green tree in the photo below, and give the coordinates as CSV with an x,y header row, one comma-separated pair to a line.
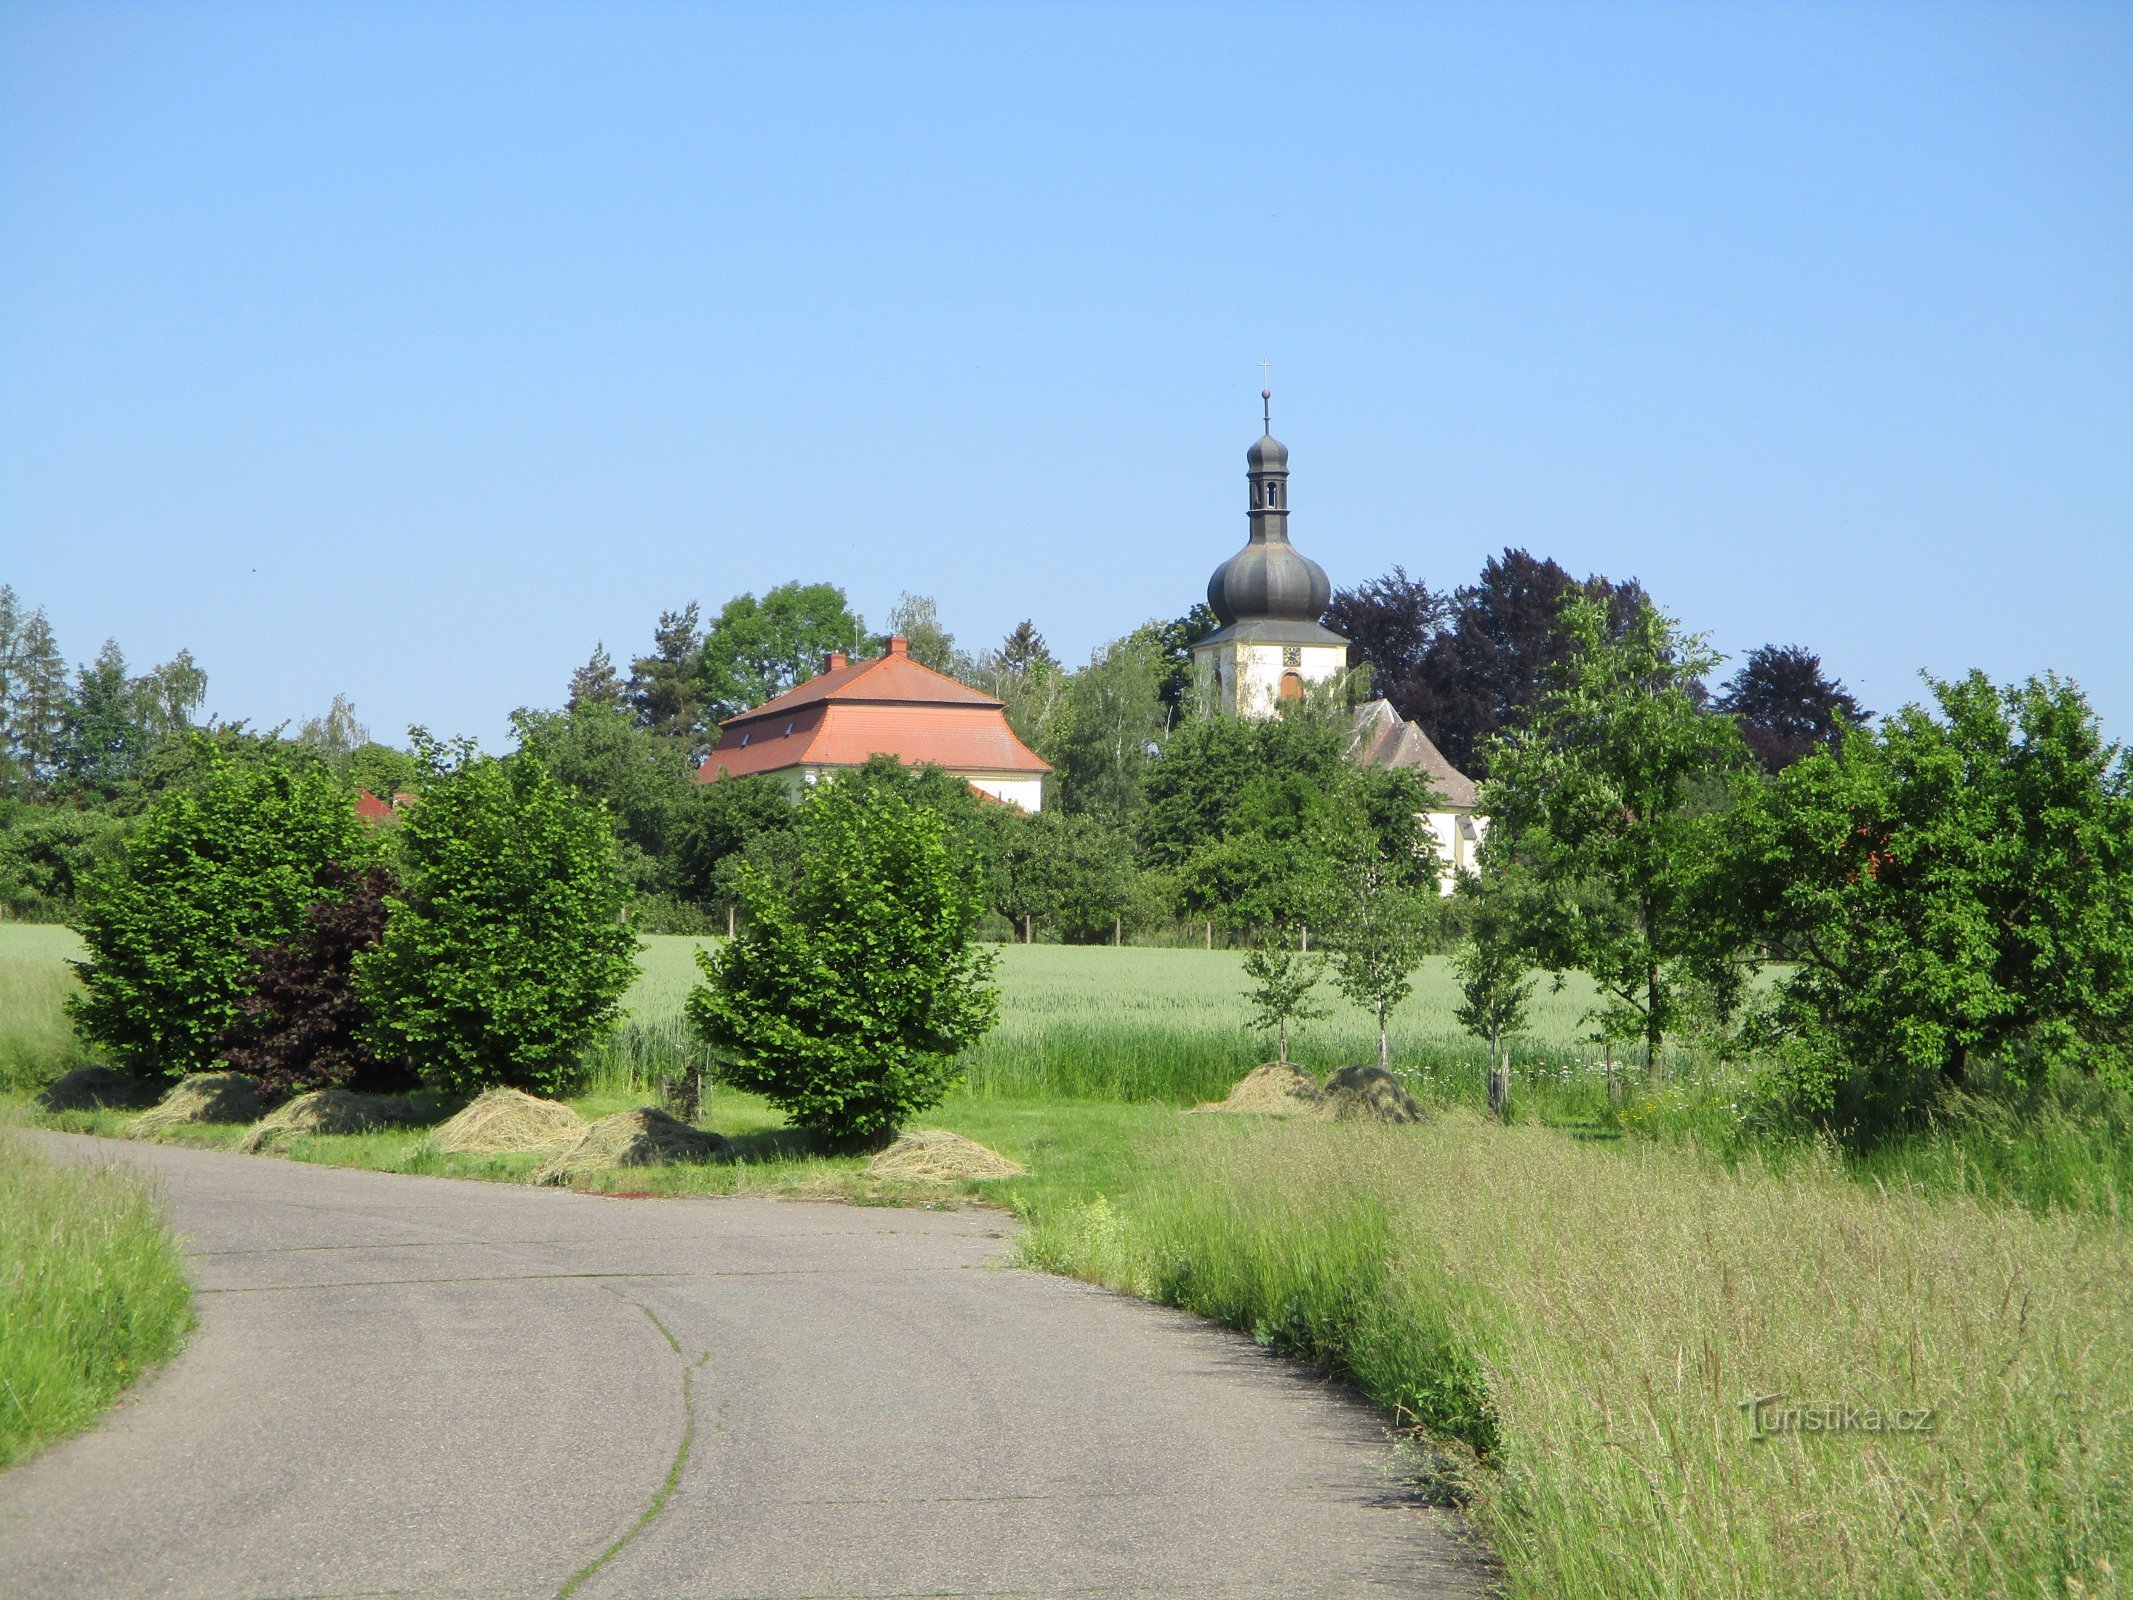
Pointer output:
x,y
102,741
600,754
1595,812
665,688
716,822
215,869
39,701
1101,736
336,736
917,620
1953,889
509,954
1281,992
847,996
1494,987
1379,936
597,683
1076,875
166,698
757,649
384,770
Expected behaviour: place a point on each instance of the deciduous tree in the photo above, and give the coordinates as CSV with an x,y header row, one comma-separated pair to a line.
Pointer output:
x,y
217,868
847,996
509,953
1785,706
1953,889
1594,812
1281,994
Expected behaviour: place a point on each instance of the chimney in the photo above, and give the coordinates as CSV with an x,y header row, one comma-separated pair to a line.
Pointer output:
x,y
899,645
836,661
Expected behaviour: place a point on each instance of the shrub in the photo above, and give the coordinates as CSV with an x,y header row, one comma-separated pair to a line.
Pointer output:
x,y
1953,892
849,993
299,1029
218,867
508,955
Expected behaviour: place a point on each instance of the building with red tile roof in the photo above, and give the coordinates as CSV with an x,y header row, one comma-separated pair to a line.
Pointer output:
x,y
891,705
369,808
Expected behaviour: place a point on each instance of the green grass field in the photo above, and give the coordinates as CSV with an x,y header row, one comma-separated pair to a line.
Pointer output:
x,y
1096,1022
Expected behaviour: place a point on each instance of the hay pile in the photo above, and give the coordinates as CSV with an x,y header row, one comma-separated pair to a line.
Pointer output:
x,y
506,1122
935,1155
336,1111
646,1137
1278,1089
88,1088
1369,1094
203,1097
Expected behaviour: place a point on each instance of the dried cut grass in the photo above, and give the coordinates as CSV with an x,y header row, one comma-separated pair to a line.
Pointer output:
x,y
91,1088
336,1111
935,1155
646,1137
1278,1089
1369,1094
203,1097
503,1122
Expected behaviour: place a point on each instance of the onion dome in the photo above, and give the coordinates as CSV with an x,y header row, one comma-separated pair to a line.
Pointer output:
x,y
1268,580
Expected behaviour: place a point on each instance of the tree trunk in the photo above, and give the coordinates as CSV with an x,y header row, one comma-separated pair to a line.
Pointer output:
x,y
1384,1044
1118,931
1651,1018
1499,1077
1284,1036
1210,934
729,922
1305,946
1025,929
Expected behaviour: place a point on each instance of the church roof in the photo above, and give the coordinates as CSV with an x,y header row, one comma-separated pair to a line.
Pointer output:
x,y
891,705
1383,739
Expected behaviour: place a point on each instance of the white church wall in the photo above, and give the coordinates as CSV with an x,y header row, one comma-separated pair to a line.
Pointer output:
x,y
1249,676
1028,793
1456,836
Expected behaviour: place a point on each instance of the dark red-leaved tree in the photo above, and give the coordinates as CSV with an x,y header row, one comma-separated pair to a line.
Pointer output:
x,y
1787,706
1472,665
297,1030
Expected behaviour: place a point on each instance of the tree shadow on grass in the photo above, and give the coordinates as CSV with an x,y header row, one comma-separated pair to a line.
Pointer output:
x,y
765,1145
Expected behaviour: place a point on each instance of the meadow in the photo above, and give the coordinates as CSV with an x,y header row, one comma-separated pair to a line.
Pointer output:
x,y
1098,1022
1567,1313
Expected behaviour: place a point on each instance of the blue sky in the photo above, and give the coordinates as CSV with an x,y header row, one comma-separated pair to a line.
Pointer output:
x,y
403,351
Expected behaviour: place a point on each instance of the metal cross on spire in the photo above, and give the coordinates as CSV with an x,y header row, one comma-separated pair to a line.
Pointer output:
x,y
1266,395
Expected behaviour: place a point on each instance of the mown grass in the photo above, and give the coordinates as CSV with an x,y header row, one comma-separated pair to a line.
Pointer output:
x,y
1591,1320
92,1293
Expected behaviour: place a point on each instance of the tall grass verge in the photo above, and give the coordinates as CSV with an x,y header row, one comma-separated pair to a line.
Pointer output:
x,y
1589,1322
92,1292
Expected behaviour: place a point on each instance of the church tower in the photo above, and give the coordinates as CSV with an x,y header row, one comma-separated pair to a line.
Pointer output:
x,y
1269,599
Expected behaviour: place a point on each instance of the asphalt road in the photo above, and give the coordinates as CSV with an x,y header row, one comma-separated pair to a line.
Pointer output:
x,y
416,1386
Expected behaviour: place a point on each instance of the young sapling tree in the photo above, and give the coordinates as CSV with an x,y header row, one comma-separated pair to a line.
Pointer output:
x,y
1281,996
